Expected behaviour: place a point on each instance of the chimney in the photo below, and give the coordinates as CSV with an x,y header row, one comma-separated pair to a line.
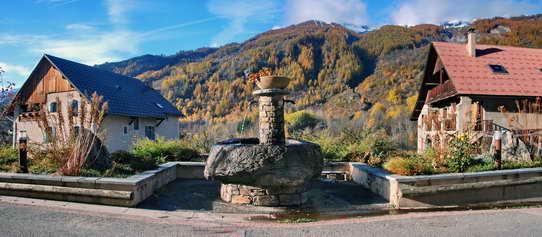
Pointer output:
x,y
471,43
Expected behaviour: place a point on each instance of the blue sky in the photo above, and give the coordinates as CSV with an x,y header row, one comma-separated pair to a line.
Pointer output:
x,y
98,31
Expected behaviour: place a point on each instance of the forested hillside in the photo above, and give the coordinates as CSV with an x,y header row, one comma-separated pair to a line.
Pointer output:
x,y
340,74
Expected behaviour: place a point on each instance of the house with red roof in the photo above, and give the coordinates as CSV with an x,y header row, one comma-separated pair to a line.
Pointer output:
x,y
467,86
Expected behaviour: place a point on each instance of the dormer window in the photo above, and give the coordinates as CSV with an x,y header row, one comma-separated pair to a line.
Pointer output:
x,y
496,68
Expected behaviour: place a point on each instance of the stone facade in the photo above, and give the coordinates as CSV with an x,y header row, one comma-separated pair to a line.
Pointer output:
x,y
271,122
274,196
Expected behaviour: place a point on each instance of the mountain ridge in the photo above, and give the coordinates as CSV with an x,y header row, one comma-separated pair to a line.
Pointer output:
x,y
341,74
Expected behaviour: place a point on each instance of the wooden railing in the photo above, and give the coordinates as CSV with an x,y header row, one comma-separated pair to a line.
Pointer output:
x,y
29,116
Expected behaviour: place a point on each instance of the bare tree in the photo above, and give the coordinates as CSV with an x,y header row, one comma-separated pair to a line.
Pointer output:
x,y
74,136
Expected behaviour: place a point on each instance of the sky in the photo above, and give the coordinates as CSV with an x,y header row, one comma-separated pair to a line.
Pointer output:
x,y
99,31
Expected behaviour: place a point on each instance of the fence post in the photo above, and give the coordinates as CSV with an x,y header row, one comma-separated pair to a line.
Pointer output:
x,y
23,158
498,149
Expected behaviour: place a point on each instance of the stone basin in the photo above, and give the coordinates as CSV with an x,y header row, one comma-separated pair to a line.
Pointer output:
x,y
245,161
264,174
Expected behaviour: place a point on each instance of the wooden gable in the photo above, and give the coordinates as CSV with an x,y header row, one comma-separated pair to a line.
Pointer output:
x,y
436,83
44,80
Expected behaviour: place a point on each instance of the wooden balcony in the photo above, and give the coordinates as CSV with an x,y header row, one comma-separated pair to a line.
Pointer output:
x,y
441,91
29,116
30,112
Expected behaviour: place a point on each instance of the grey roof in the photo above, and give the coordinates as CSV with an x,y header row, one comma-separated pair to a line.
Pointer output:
x,y
125,95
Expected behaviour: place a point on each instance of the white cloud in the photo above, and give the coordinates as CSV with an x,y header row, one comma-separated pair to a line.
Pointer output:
x,y
81,27
239,13
16,69
330,11
92,48
413,12
117,9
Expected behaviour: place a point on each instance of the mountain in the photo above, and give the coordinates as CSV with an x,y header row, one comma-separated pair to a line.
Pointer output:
x,y
138,65
339,73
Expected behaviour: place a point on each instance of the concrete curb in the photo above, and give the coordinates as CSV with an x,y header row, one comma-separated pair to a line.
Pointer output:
x,y
111,191
465,189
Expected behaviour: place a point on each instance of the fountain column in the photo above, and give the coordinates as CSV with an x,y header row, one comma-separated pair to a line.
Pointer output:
x,y
271,120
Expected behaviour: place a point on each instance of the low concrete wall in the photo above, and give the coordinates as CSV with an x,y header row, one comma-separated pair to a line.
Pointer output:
x,y
480,188
111,191
190,170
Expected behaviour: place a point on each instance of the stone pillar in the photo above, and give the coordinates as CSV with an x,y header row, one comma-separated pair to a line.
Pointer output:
x,y
271,120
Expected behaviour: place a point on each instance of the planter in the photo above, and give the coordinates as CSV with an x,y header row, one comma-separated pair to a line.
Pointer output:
x,y
272,82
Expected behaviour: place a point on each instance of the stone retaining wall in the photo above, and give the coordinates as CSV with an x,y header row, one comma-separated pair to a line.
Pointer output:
x,y
111,191
465,189
274,196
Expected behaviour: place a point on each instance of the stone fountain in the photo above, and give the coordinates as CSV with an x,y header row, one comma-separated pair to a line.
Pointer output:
x,y
270,170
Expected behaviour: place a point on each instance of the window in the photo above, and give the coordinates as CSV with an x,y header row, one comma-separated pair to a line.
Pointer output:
x,y
52,107
75,106
76,131
497,68
149,132
136,124
159,105
125,130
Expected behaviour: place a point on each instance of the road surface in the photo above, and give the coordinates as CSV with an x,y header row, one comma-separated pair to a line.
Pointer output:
x,y
32,217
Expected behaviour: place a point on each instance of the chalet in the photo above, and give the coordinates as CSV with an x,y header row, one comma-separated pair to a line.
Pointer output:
x,y
135,111
465,87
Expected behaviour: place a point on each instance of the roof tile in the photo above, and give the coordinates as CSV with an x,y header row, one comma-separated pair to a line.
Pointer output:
x,y
469,74
125,95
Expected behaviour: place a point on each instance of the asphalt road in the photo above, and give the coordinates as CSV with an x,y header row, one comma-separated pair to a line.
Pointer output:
x,y
35,220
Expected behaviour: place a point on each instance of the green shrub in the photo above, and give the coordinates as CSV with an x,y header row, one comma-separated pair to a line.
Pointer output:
x,y
481,167
121,157
354,145
9,158
370,148
119,170
332,148
143,163
300,120
414,165
460,154
164,151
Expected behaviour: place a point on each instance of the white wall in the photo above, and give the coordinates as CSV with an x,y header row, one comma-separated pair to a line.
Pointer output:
x,y
113,125
115,140
34,133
